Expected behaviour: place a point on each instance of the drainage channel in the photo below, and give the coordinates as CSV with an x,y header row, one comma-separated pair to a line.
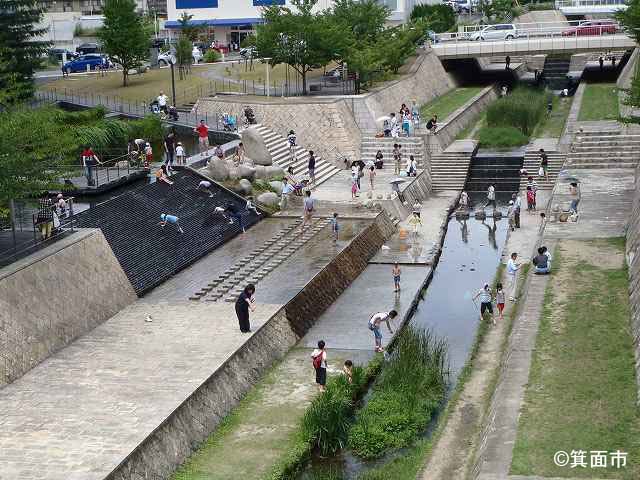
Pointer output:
x,y
470,255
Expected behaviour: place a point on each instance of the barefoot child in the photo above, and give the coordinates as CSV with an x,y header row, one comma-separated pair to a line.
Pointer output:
x,y
347,369
396,277
335,227
500,300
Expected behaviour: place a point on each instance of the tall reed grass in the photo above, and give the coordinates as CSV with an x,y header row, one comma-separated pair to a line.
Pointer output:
x,y
405,396
522,109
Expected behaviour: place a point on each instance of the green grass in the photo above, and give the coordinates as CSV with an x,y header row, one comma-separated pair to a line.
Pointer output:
x,y
599,102
581,393
501,137
446,104
552,126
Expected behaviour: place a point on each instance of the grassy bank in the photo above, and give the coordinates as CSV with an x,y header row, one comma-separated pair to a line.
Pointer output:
x,y
405,395
512,119
581,393
599,102
553,125
446,104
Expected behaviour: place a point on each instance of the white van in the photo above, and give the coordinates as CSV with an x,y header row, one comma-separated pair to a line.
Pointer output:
x,y
505,31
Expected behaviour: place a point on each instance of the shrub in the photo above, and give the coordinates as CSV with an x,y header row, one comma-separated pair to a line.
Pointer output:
x,y
212,56
522,109
405,396
502,137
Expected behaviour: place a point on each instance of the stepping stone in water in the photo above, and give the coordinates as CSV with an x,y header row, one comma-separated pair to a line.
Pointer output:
x,y
194,298
230,299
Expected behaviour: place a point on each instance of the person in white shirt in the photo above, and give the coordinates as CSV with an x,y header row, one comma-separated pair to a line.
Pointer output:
x,y
205,186
485,296
393,125
517,207
162,102
512,276
491,196
374,325
251,207
464,200
287,189
180,154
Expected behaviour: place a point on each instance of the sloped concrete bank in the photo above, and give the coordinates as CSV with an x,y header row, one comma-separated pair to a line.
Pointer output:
x,y
179,435
633,261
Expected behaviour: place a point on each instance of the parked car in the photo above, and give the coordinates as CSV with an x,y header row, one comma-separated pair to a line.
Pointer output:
x,y
58,53
88,48
92,60
164,58
592,27
462,6
505,31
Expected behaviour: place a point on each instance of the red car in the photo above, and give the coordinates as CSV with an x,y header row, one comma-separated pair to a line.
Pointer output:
x,y
593,27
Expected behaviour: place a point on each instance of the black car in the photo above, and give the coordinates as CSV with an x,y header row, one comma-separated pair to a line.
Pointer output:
x,y
59,52
88,48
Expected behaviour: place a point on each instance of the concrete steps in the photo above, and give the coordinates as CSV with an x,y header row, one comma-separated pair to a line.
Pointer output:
x,y
278,146
259,262
604,149
532,165
370,145
449,170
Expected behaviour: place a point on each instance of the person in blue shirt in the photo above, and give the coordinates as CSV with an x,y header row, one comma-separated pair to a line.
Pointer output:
x,y
172,219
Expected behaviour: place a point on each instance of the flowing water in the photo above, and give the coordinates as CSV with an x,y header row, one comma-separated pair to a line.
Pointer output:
x,y
470,256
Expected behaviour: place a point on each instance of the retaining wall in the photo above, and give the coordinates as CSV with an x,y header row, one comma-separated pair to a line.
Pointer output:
x,y
624,82
326,126
633,261
55,295
193,421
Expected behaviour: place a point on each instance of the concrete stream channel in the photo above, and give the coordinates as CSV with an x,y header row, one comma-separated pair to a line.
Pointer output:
x,y
470,254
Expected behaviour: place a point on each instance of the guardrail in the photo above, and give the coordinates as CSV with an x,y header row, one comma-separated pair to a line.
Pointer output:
x,y
561,4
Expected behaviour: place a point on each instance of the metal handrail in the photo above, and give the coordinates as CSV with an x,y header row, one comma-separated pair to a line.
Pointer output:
x,y
588,3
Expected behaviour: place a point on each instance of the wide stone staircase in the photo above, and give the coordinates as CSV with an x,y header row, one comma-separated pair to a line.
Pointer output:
x,y
555,72
148,253
259,262
449,170
604,149
532,165
278,146
410,146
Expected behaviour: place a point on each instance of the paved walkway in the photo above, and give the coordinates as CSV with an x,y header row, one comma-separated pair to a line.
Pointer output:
x,y
605,208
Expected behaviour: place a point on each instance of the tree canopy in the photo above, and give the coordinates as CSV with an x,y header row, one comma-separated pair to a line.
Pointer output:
x,y
439,18
20,50
124,35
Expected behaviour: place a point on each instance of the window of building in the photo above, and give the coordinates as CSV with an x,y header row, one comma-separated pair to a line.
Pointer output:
x,y
182,4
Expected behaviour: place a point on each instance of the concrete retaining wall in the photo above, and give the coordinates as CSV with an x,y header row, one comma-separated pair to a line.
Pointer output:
x,y
633,261
326,126
193,421
624,82
458,121
55,295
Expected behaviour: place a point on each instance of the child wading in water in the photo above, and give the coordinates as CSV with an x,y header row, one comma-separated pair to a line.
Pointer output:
x,y
335,227
396,277
500,299
319,358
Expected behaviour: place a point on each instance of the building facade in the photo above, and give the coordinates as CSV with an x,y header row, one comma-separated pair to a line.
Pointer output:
x,y
230,21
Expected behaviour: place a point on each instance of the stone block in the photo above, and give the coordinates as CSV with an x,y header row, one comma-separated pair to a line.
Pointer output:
x,y
255,147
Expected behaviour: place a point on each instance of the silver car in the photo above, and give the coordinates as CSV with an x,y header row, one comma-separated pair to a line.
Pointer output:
x,y
505,31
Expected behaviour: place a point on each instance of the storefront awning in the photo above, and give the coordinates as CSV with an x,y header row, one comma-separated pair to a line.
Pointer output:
x,y
227,22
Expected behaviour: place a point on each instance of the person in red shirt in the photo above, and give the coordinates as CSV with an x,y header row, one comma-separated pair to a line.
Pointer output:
x,y
89,161
203,136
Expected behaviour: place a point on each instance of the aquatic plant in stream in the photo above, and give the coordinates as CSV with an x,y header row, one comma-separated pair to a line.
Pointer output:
x,y
405,396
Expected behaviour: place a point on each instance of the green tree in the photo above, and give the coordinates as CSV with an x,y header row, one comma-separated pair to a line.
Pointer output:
x,y
363,19
184,55
20,50
298,37
630,21
439,18
188,29
249,41
124,36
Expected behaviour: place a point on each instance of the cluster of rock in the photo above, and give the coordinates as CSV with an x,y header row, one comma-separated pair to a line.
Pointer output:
x,y
257,166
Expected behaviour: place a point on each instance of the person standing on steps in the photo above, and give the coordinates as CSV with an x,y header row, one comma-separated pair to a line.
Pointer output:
x,y
491,197
396,159
311,167
319,359
544,165
335,226
244,303
507,62
287,189
372,177
512,276
374,325
485,296
308,206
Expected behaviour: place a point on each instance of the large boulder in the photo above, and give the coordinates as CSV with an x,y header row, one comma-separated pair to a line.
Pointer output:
x,y
255,147
274,171
260,172
218,170
245,171
277,186
245,186
268,198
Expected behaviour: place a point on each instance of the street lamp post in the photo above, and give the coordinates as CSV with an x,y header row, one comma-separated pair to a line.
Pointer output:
x,y
172,61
